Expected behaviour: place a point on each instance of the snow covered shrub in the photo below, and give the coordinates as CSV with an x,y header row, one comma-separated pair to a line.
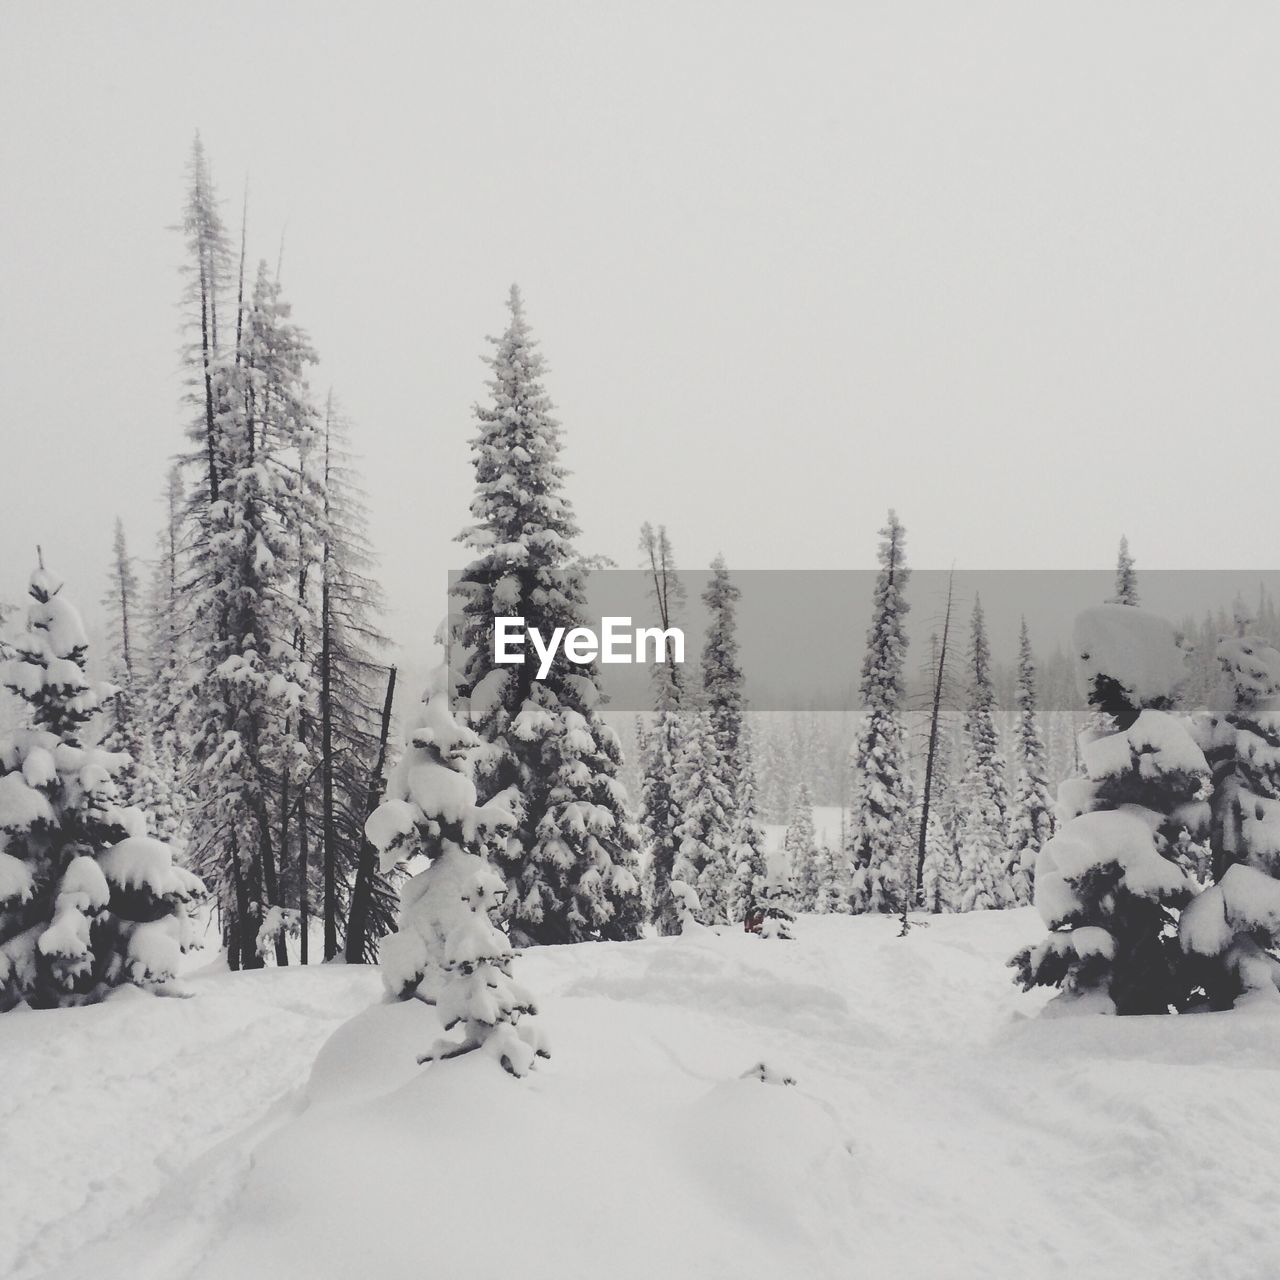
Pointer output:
x,y
87,901
1231,932
688,906
447,950
777,898
1108,883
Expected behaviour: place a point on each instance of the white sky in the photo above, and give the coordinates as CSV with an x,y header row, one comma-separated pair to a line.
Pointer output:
x,y
1012,268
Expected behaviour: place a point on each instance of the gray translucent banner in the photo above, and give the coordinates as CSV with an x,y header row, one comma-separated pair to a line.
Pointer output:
x,y
802,633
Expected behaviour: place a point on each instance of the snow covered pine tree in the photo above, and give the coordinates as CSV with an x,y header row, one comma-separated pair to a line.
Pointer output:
x,y
721,674
660,816
801,845
705,805
1031,818
984,796
571,861
746,847
879,842
87,901
1231,932
1126,577
448,952
1108,881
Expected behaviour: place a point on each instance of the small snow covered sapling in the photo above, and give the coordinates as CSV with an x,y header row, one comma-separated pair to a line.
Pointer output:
x,y
1108,883
687,906
88,901
777,898
448,951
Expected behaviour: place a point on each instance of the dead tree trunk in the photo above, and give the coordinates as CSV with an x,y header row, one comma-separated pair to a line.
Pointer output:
x,y
935,716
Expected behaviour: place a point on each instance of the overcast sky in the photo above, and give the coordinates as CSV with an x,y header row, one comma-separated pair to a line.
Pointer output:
x,y
1012,268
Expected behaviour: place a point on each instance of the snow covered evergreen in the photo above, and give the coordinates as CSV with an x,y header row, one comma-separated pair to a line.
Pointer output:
x,y
721,672
247,675
570,862
746,846
800,844
705,807
1110,880
350,689
940,874
448,950
984,796
167,633
1231,932
879,840
1031,816
127,727
660,813
830,896
88,901
1126,577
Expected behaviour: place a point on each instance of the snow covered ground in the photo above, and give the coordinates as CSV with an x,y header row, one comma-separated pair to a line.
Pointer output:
x,y
936,1127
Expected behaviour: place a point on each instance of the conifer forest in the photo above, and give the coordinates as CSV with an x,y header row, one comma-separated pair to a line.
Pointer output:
x,y
638,641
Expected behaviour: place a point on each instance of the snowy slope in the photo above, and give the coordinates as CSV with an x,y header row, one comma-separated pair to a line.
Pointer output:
x,y
935,1131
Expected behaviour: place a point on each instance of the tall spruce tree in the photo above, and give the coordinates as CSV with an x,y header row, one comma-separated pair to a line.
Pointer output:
x,y
746,847
660,811
88,902
705,805
984,839
167,634
350,687
247,678
879,837
571,860
126,729
208,273
1031,818
721,673
801,845
339,731
1126,577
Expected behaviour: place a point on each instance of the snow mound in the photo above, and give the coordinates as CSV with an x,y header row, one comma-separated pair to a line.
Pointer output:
x,y
933,1130
1137,649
